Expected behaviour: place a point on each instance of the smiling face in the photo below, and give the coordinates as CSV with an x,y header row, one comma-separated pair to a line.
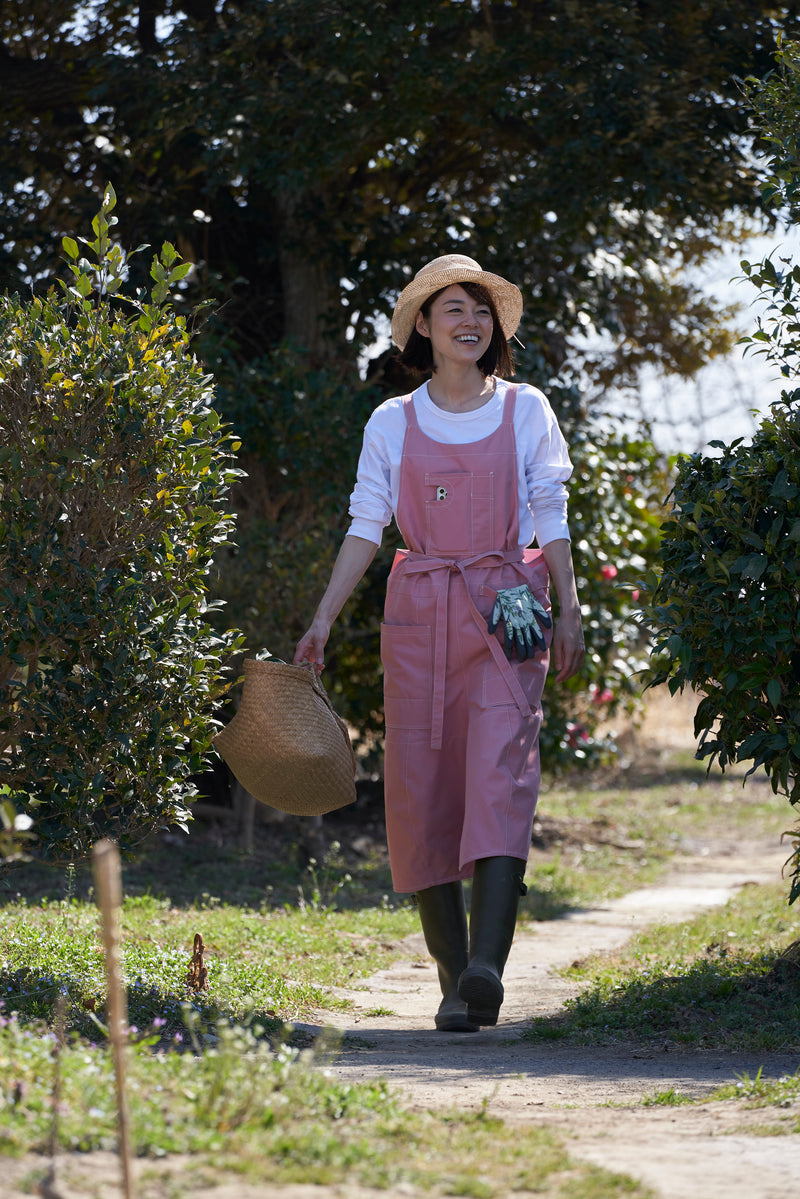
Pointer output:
x,y
459,326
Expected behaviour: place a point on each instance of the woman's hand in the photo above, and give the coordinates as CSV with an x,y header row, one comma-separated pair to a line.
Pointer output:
x,y
311,646
567,650
353,558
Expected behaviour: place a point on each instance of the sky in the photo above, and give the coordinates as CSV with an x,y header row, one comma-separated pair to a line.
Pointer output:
x,y
727,398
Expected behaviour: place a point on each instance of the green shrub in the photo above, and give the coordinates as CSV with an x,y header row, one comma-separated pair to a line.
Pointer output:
x,y
725,608
726,605
615,510
115,474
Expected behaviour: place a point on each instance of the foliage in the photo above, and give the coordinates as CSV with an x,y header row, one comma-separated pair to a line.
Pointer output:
x,y
614,515
307,156
14,829
725,607
287,147
302,424
116,470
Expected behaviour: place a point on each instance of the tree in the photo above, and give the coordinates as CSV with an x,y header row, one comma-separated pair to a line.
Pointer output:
x,y
306,155
288,147
116,473
725,606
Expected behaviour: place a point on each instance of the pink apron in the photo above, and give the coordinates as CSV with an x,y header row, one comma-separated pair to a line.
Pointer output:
x,y
462,722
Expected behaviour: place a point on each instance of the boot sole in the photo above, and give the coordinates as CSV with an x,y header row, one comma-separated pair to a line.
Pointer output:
x,y
482,991
455,1023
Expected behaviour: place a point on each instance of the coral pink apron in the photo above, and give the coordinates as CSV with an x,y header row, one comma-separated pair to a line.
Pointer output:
x,y
462,722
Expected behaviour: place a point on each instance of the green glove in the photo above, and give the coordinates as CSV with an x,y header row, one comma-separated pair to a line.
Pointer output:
x,y
523,617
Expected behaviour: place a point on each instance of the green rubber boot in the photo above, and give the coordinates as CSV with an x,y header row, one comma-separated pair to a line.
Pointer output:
x,y
444,923
496,888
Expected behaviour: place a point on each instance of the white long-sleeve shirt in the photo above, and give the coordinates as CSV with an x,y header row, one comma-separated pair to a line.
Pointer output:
x,y
543,464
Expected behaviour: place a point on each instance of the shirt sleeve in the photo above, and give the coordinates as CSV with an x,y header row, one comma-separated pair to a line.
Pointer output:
x,y
371,499
547,469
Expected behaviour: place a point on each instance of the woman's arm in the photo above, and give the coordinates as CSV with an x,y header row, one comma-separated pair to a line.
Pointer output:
x,y
567,649
352,561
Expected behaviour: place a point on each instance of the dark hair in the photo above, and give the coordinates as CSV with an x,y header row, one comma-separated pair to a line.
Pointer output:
x,y
498,359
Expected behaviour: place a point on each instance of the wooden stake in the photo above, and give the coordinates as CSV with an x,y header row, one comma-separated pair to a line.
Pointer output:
x,y
48,1187
109,889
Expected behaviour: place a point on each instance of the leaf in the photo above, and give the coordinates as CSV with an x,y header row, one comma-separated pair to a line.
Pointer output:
x,y
180,272
750,566
774,692
782,489
168,254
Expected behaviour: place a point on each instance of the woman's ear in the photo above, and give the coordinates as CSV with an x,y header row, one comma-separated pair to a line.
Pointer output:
x,y
421,325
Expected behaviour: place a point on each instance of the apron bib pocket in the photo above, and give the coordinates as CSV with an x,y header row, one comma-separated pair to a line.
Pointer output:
x,y
459,512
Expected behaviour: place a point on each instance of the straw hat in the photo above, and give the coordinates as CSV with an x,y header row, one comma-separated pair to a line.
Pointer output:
x,y
441,272
286,745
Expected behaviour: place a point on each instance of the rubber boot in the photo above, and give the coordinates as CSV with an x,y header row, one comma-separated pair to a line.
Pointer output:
x,y
496,887
444,924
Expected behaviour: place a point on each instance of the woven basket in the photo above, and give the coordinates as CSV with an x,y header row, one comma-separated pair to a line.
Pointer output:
x,y
286,745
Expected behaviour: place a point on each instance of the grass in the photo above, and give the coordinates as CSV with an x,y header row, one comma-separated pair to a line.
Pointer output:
x,y
219,1075
668,1098
598,838
238,1108
254,1112
761,1092
783,1092
274,965
720,981
220,1078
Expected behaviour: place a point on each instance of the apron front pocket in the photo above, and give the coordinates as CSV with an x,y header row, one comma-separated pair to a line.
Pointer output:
x,y
407,657
531,675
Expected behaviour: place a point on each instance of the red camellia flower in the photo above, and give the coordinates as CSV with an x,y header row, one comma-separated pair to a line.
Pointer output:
x,y
608,572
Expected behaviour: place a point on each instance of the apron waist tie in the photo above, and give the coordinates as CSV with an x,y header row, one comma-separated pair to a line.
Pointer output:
x,y
417,563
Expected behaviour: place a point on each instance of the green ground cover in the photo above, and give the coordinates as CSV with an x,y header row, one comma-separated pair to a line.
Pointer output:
x,y
727,979
219,1074
239,1108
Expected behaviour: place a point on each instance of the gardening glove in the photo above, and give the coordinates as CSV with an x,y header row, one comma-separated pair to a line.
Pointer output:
x,y
523,617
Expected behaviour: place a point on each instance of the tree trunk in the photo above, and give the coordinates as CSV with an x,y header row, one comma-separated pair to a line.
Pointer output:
x,y
313,315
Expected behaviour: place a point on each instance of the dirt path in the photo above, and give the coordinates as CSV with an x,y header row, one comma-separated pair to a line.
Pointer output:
x,y
678,1151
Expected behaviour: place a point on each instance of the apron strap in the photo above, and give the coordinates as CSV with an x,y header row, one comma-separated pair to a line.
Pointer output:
x,y
410,411
510,404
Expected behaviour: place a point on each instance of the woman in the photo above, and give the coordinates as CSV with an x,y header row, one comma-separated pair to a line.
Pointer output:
x,y
471,467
